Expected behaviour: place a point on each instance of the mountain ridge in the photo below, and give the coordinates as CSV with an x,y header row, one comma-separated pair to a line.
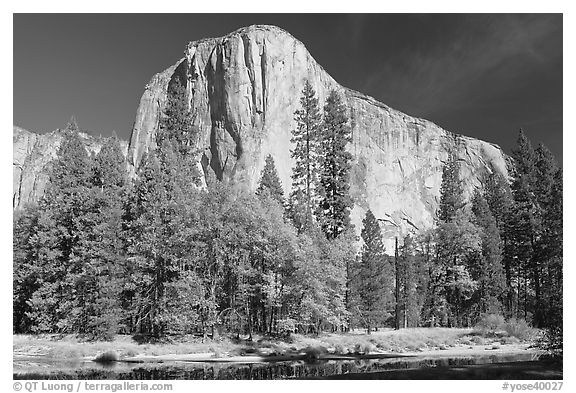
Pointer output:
x,y
244,88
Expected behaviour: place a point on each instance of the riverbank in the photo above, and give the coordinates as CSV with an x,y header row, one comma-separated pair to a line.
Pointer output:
x,y
298,357
415,341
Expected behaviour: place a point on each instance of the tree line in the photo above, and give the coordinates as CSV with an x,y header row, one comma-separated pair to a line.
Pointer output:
x,y
158,255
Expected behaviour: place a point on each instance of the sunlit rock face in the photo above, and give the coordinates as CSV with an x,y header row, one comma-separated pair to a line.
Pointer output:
x,y
33,155
244,89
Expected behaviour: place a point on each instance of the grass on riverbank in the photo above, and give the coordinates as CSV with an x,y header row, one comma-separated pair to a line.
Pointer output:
x,y
405,340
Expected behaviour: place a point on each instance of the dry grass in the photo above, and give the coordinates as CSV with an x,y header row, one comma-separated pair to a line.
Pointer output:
x,y
69,347
404,340
395,341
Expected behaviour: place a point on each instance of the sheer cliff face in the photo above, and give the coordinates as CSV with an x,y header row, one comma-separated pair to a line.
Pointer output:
x,y
244,89
33,155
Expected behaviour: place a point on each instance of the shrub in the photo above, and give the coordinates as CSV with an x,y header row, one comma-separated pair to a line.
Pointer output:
x,y
477,340
519,328
553,342
286,327
107,357
490,323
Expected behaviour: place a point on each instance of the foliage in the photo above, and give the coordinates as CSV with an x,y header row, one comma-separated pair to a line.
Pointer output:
x,y
490,323
270,183
176,124
335,163
158,257
372,284
487,267
519,328
306,138
450,191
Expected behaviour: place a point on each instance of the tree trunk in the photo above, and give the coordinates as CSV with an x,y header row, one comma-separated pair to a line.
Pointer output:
x,y
397,292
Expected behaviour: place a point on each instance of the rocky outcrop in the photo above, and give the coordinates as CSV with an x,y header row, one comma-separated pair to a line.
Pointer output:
x,y
32,158
244,89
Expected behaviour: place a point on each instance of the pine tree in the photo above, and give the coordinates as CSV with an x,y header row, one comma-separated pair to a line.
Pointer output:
x,y
456,241
373,286
336,203
162,204
450,191
523,221
548,221
457,238
553,285
489,270
270,184
109,169
305,137
103,272
54,305
26,266
176,123
150,215
411,282
498,195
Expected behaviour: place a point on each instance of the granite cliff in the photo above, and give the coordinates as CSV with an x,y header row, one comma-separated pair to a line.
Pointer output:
x,y
32,158
244,89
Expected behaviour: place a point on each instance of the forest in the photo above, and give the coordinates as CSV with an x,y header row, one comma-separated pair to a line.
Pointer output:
x,y
159,254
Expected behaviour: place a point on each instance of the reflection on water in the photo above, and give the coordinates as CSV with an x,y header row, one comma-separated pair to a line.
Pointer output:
x,y
255,371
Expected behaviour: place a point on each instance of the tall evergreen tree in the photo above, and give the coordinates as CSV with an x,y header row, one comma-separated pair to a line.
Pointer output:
x,y
450,190
305,137
412,282
103,242
336,203
54,305
523,222
547,223
157,216
374,288
176,124
553,238
270,184
26,264
498,195
488,272
456,241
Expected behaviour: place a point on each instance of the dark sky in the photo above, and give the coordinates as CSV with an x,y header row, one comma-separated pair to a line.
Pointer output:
x,y
479,75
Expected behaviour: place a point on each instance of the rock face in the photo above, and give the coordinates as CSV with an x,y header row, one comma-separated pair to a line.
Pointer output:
x,y
32,157
244,89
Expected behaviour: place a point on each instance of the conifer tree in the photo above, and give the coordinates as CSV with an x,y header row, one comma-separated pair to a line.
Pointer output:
x,y
270,184
373,275
450,191
54,305
411,282
547,223
553,284
336,203
523,221
103,240
305,137
26,265
457,238
489,272
498,195
176,123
